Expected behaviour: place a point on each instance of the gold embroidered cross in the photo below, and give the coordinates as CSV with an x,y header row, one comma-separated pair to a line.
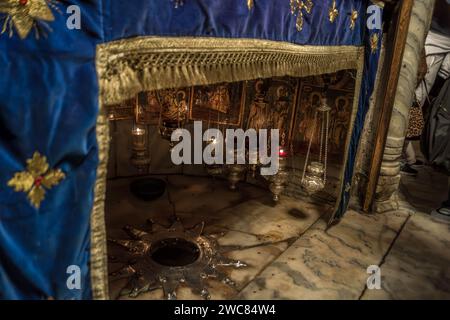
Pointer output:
x,y
36,179
22,15
297,7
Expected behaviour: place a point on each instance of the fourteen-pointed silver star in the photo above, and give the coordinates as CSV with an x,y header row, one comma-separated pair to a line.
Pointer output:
x,y
152,260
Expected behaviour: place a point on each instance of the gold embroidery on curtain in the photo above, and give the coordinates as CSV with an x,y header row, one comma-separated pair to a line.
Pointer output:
x,y
24,15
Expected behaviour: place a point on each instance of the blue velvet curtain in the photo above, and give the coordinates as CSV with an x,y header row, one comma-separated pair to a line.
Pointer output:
x,y
49,104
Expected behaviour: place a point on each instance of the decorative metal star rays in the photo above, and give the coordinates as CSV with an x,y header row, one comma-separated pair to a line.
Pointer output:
x,y
154,260
297,8
24,15
36,179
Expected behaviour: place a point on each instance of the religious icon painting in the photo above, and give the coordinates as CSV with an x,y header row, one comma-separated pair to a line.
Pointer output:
x,y
218,104
339,96
150,106
270,104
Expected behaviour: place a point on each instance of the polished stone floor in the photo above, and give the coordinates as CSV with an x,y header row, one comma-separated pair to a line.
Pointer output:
x,y
290,252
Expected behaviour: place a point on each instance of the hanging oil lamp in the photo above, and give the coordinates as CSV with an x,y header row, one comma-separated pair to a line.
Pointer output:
x,y
314,176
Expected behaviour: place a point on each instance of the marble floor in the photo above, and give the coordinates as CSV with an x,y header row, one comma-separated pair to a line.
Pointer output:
x,y
290,252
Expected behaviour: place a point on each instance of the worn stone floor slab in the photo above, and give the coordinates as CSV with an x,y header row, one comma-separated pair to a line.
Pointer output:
x,y
206,196
418,266
290,252
233,218
123,208
250,209
328,264
272,222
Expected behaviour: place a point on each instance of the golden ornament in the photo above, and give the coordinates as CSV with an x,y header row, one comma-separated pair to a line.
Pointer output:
x,y
297,8
353,18
36,179
333,12
250,4
23,15
374,43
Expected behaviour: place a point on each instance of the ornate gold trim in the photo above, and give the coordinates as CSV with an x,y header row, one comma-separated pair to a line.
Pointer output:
x,y
99,271
126,67
154,63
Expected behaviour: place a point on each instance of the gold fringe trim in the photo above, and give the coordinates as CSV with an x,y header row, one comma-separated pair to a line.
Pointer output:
x,y
154,63
99,260
99,272
126,67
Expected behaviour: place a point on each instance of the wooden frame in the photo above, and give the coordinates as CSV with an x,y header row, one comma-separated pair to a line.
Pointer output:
x,y
396,42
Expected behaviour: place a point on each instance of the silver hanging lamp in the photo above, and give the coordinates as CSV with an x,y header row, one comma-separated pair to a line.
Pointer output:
x,y
314,176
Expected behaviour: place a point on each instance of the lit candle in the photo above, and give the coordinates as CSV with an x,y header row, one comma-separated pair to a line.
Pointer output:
x,y
139,134
283,153
138,130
